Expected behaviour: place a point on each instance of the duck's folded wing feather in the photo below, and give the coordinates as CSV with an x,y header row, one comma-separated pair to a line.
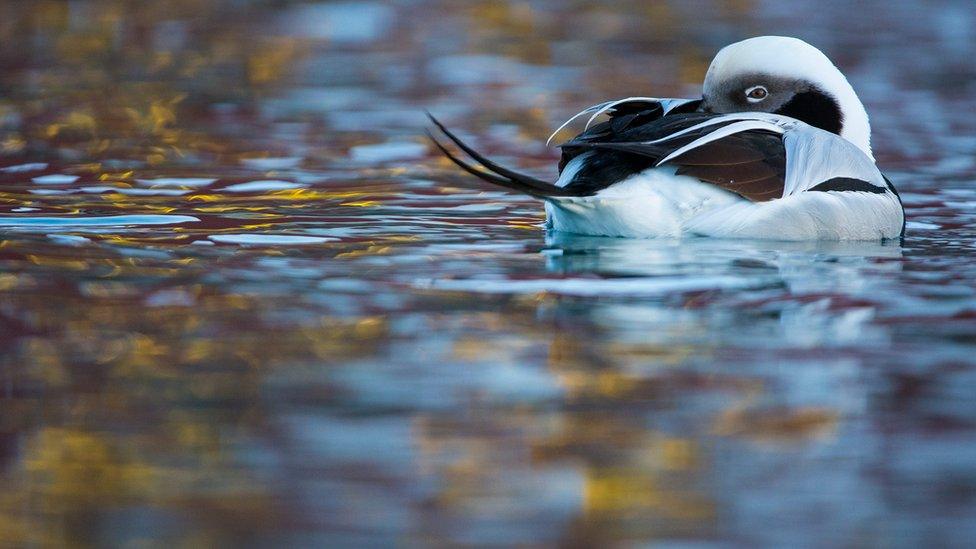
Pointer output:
x,y
758,156
747,157
630,111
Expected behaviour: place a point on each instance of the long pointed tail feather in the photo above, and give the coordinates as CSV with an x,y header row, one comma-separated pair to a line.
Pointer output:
x,y
492,172
481,174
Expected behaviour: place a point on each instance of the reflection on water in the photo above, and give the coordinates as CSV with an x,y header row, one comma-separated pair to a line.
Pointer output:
x,y
242,303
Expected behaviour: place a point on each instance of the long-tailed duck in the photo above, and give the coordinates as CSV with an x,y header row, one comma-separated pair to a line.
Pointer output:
x,y
778,147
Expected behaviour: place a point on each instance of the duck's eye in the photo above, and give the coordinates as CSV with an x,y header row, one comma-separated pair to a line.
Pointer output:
x,y
756,94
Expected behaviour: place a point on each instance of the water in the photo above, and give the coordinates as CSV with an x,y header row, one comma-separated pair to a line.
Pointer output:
x,y
242,302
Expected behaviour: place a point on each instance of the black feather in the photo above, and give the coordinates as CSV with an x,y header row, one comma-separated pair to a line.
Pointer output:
x,y
848,184
495,173
750,164
487,176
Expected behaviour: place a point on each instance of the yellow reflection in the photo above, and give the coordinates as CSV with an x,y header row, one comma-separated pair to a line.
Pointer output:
x,y
361,204
778,425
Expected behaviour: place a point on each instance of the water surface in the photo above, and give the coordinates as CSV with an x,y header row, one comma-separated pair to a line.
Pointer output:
x,y
242,302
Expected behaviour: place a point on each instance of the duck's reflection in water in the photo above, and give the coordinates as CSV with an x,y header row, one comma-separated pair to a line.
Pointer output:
x,y
685,410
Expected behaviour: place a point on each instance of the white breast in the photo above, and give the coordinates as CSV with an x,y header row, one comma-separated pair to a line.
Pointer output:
x,y
653,203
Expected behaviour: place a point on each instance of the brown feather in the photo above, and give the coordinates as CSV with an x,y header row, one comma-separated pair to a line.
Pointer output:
x,y
750,165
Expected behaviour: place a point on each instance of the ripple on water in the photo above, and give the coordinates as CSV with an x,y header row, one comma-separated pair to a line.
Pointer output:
x,y
272,163
388,152
410,338
29,167
95,221
255,239
53,192
261,186
69,239
55,179
340,22
638,286
177,182
921,226
98,189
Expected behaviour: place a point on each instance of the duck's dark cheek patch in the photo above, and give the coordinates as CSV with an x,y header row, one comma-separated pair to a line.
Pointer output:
x,y
815,108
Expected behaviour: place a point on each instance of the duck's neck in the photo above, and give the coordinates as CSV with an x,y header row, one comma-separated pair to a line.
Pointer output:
x,y
856,126
837,111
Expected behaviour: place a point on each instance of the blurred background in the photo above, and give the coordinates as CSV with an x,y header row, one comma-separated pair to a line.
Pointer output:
x,y
242,303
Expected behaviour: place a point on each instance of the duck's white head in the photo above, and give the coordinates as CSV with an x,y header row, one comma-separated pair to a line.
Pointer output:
x,y
786,76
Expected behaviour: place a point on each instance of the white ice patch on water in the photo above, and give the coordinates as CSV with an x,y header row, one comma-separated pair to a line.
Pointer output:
x,y
246,239
274,163
19,168
259,186
643,286
55,179
177,182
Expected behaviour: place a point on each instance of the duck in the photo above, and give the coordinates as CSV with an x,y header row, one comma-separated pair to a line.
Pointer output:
x,y
778,147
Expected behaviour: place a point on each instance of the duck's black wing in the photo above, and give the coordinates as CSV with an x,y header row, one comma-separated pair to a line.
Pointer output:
x,y
624,115
749,161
